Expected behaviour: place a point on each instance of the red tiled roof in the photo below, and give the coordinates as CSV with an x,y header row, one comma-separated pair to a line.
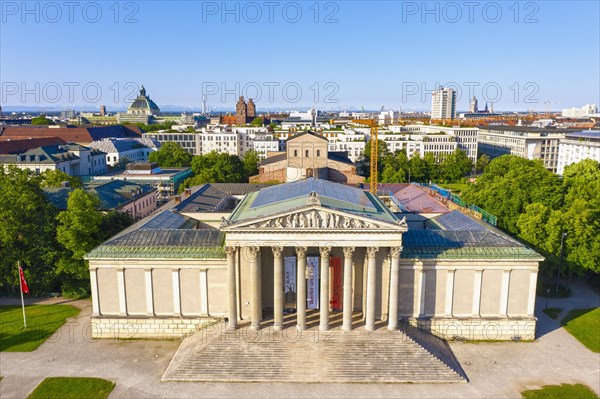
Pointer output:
x,y
80,135
21,145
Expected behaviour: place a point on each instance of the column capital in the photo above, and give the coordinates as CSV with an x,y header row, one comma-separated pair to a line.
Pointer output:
x,y
301,251
229,250
325,251
348,251
371,251
253,251
277,250
395,252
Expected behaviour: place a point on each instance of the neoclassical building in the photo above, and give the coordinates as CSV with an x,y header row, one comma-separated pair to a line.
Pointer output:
x,y
307,155
254,254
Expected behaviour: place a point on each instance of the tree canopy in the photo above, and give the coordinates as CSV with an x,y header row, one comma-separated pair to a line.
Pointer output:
x,y
55,178
216,168
509,184
545,210
171,155
50,244
41,120
257,122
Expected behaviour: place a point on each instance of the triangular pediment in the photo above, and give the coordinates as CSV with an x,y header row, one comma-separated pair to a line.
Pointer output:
x,y
314,218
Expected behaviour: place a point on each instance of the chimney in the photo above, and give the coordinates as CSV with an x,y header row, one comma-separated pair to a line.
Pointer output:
x,y
188,192
178,199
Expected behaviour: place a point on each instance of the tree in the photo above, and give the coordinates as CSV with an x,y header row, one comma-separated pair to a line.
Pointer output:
x,y
257,122
481,163
41,120
433,166
27,231
171,155
418,169
509,184
215,168
456,165
395,168
532,224
251,160
79,225
381,154
55,178
114,222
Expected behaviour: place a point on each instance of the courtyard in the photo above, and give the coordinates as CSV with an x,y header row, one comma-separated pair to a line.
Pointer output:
x,y
137,367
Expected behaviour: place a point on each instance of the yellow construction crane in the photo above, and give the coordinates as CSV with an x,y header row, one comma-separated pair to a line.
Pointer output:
x,y
372,123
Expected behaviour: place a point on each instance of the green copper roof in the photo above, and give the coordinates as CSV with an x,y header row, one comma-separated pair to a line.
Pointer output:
x,y
285,197
163,243
464,245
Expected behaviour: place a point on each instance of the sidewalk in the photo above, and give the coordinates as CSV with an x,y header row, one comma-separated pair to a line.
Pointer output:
x,y
495,370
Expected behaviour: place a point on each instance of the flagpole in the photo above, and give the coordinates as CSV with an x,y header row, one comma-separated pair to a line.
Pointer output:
x,y
21,289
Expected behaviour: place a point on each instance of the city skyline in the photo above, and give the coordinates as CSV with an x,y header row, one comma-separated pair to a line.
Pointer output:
x,y
288,64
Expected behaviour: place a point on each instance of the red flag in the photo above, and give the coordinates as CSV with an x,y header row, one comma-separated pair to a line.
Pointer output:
x,y
24,286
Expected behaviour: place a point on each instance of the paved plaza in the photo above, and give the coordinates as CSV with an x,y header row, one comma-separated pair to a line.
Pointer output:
x,y
137,367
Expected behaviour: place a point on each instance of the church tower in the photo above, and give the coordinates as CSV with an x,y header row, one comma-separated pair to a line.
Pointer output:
x,y
251,109
241,112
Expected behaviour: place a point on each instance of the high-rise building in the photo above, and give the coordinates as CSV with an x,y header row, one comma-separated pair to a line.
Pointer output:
x,y
103,110
443,103
473,106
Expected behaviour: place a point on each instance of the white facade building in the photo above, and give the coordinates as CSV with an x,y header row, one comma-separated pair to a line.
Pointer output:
x,y
130,149
576,147
466,137
443,103
586,110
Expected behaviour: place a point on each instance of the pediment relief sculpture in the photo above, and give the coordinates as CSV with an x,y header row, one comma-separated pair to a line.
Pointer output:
x,y
314,219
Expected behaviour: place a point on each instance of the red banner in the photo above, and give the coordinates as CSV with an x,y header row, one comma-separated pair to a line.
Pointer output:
x,y
24,286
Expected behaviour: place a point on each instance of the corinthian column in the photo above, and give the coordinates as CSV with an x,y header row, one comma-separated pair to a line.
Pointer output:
x,y
324,311
394,282
277,288
371,287
255,309
301,289
231,288
347,323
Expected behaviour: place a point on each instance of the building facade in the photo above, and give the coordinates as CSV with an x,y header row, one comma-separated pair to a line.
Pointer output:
x,y
443,103
307,155
309,246
129,149
576,147
522,141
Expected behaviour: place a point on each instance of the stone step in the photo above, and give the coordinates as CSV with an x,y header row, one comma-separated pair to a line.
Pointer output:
x,y
314,356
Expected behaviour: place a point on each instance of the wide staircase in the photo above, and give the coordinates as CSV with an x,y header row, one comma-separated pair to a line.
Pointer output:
x,y
359,356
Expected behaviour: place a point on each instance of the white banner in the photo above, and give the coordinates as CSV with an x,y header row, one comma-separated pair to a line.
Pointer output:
x,y
312,287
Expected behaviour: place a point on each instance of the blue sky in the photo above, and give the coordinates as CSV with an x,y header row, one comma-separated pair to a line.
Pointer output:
x,y
351,54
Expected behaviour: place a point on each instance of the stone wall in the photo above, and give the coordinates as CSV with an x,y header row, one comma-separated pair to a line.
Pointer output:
x,y
147,327
478,329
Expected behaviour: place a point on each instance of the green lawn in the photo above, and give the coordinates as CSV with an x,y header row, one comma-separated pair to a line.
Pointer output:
x,y
553,312
456,188
42,322
577,391
584,324
72,388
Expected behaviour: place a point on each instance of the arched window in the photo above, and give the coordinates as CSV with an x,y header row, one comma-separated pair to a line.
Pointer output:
x,y
295,153
318,153
306,153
